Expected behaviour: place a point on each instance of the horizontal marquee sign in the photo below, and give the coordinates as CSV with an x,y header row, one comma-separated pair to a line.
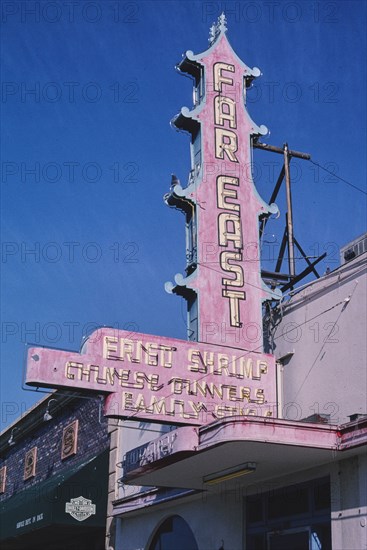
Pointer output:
x,y
161,379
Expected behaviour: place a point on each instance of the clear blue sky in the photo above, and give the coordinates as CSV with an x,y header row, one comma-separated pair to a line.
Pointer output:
x,y
95,131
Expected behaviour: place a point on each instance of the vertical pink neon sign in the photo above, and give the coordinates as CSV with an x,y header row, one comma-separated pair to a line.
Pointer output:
x,y
223,284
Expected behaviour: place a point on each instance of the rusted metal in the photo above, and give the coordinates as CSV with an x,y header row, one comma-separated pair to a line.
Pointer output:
x,y
304,273
281,251
280,151
273,198
305,257
277,185
291,263
274,276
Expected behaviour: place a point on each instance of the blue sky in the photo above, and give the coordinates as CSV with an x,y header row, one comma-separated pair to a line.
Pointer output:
x,y
87,156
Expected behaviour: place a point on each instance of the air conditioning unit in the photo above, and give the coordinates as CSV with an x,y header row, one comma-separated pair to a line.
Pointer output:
x,y
353,249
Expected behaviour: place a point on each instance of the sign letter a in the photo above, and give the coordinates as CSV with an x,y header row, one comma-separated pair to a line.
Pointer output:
x,y
225,142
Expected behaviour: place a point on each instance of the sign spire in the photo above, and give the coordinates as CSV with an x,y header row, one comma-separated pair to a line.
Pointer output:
x,y
222,283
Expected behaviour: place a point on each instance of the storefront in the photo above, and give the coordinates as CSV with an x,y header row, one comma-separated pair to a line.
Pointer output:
x,y
274,458
52,514
54,477
257,484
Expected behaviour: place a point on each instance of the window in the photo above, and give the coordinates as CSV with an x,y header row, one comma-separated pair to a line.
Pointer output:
x,y
30,460
293,539
290,501
69,440
296,517
2,479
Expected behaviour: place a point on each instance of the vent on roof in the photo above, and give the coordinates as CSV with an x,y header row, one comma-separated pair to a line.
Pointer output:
x,y
317,419
353,249
356,416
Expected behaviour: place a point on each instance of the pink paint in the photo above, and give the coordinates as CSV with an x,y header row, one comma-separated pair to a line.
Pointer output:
x,y
271,430
170,447
228,276
265,435
161,379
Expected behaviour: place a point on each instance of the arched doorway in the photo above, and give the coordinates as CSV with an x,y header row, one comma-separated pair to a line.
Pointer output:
x,y
175,533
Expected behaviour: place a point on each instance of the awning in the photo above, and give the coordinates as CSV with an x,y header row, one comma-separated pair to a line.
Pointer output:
x,y
55,501
186,459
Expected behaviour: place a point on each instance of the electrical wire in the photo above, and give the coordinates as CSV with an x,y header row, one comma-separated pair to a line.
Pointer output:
x,y
259,348
341,270
221,273
339,178
346,302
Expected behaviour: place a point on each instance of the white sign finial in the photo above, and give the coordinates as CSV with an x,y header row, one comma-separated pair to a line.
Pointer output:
x,y
222,23
217,28
212,34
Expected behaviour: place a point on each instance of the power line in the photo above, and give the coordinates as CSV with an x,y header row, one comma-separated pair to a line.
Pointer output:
x,y
258,349
346,302
221,273
336,175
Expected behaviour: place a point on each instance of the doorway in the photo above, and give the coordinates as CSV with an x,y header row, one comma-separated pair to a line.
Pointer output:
x,y
175,533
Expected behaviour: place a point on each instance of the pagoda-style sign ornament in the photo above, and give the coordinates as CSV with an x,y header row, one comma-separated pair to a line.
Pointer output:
x,y
221,369
222,283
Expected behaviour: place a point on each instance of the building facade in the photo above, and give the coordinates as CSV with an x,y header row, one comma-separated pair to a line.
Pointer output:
x,y
54,476
295,481
272,467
